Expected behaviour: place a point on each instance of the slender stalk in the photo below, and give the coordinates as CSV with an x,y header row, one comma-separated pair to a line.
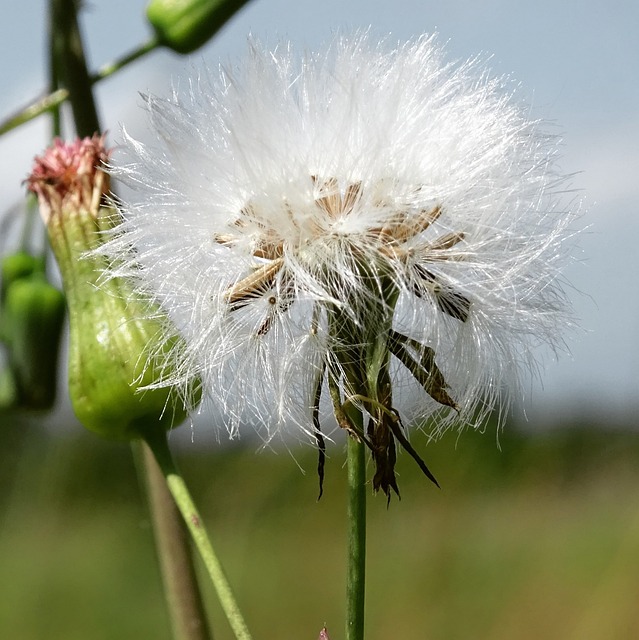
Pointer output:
x,y
186,610
55,47
72,68
158,444
37,108
356,568
56,98
112,67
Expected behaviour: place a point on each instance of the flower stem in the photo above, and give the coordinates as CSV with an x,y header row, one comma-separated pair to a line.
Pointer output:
x,y
186,610
356,570
158,444
54,63
112,67
72,69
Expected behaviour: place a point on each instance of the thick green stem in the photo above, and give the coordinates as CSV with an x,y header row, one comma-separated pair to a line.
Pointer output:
x,y
72,69
186,610
356,570
158,444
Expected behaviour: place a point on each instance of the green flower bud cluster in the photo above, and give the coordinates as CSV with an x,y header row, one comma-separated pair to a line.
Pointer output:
x,y
31,319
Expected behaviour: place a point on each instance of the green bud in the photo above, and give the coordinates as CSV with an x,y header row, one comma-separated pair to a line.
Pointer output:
x,y
18,265
9,397
185,25
31,318
116,342
13,267
110,339
33,314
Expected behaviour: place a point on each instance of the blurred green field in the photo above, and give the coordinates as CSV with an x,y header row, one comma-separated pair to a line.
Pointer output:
x,y
538,540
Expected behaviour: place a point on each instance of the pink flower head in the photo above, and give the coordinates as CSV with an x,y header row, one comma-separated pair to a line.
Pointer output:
x,y
69,175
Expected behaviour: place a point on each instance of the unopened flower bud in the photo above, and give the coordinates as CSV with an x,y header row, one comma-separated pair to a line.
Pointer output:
x,y
15,266
113,333
33,313
185,25
8,389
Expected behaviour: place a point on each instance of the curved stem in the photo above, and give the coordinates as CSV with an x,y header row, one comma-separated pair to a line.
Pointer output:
x,y
356,569
112,67
160,448
55,99
186,610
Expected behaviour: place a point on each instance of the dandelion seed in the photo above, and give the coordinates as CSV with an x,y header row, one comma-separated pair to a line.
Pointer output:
x,y
370,225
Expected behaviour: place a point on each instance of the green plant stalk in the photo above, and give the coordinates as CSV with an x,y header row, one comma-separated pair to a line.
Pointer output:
x,y
71,67
110,68
55,47
186,610
356,549
158,444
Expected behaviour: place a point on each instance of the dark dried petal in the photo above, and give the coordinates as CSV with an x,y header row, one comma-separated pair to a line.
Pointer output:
x,y
426,371
384,455
395,426
451,302
321,444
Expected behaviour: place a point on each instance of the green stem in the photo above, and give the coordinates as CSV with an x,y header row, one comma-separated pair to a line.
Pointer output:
x,y
55,99
356,570
114,66
30,215
159,446
72,68
42,105
186,610
55,47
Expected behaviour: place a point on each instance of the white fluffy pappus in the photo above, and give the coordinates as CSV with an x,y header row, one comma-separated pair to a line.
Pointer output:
x,y
366,218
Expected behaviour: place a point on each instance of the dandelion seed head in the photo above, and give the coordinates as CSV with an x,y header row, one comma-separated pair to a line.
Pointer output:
x,y
292,206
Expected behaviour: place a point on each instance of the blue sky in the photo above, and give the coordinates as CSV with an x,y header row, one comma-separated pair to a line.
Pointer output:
x,y
577,66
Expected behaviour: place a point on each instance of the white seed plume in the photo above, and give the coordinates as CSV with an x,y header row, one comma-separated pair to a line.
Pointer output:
x,y
291,206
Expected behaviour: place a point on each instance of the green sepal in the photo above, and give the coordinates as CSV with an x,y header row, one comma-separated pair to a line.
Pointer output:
x,y
185,25
113,334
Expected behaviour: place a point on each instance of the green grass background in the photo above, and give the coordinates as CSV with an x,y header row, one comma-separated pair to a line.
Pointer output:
x,y
537,540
